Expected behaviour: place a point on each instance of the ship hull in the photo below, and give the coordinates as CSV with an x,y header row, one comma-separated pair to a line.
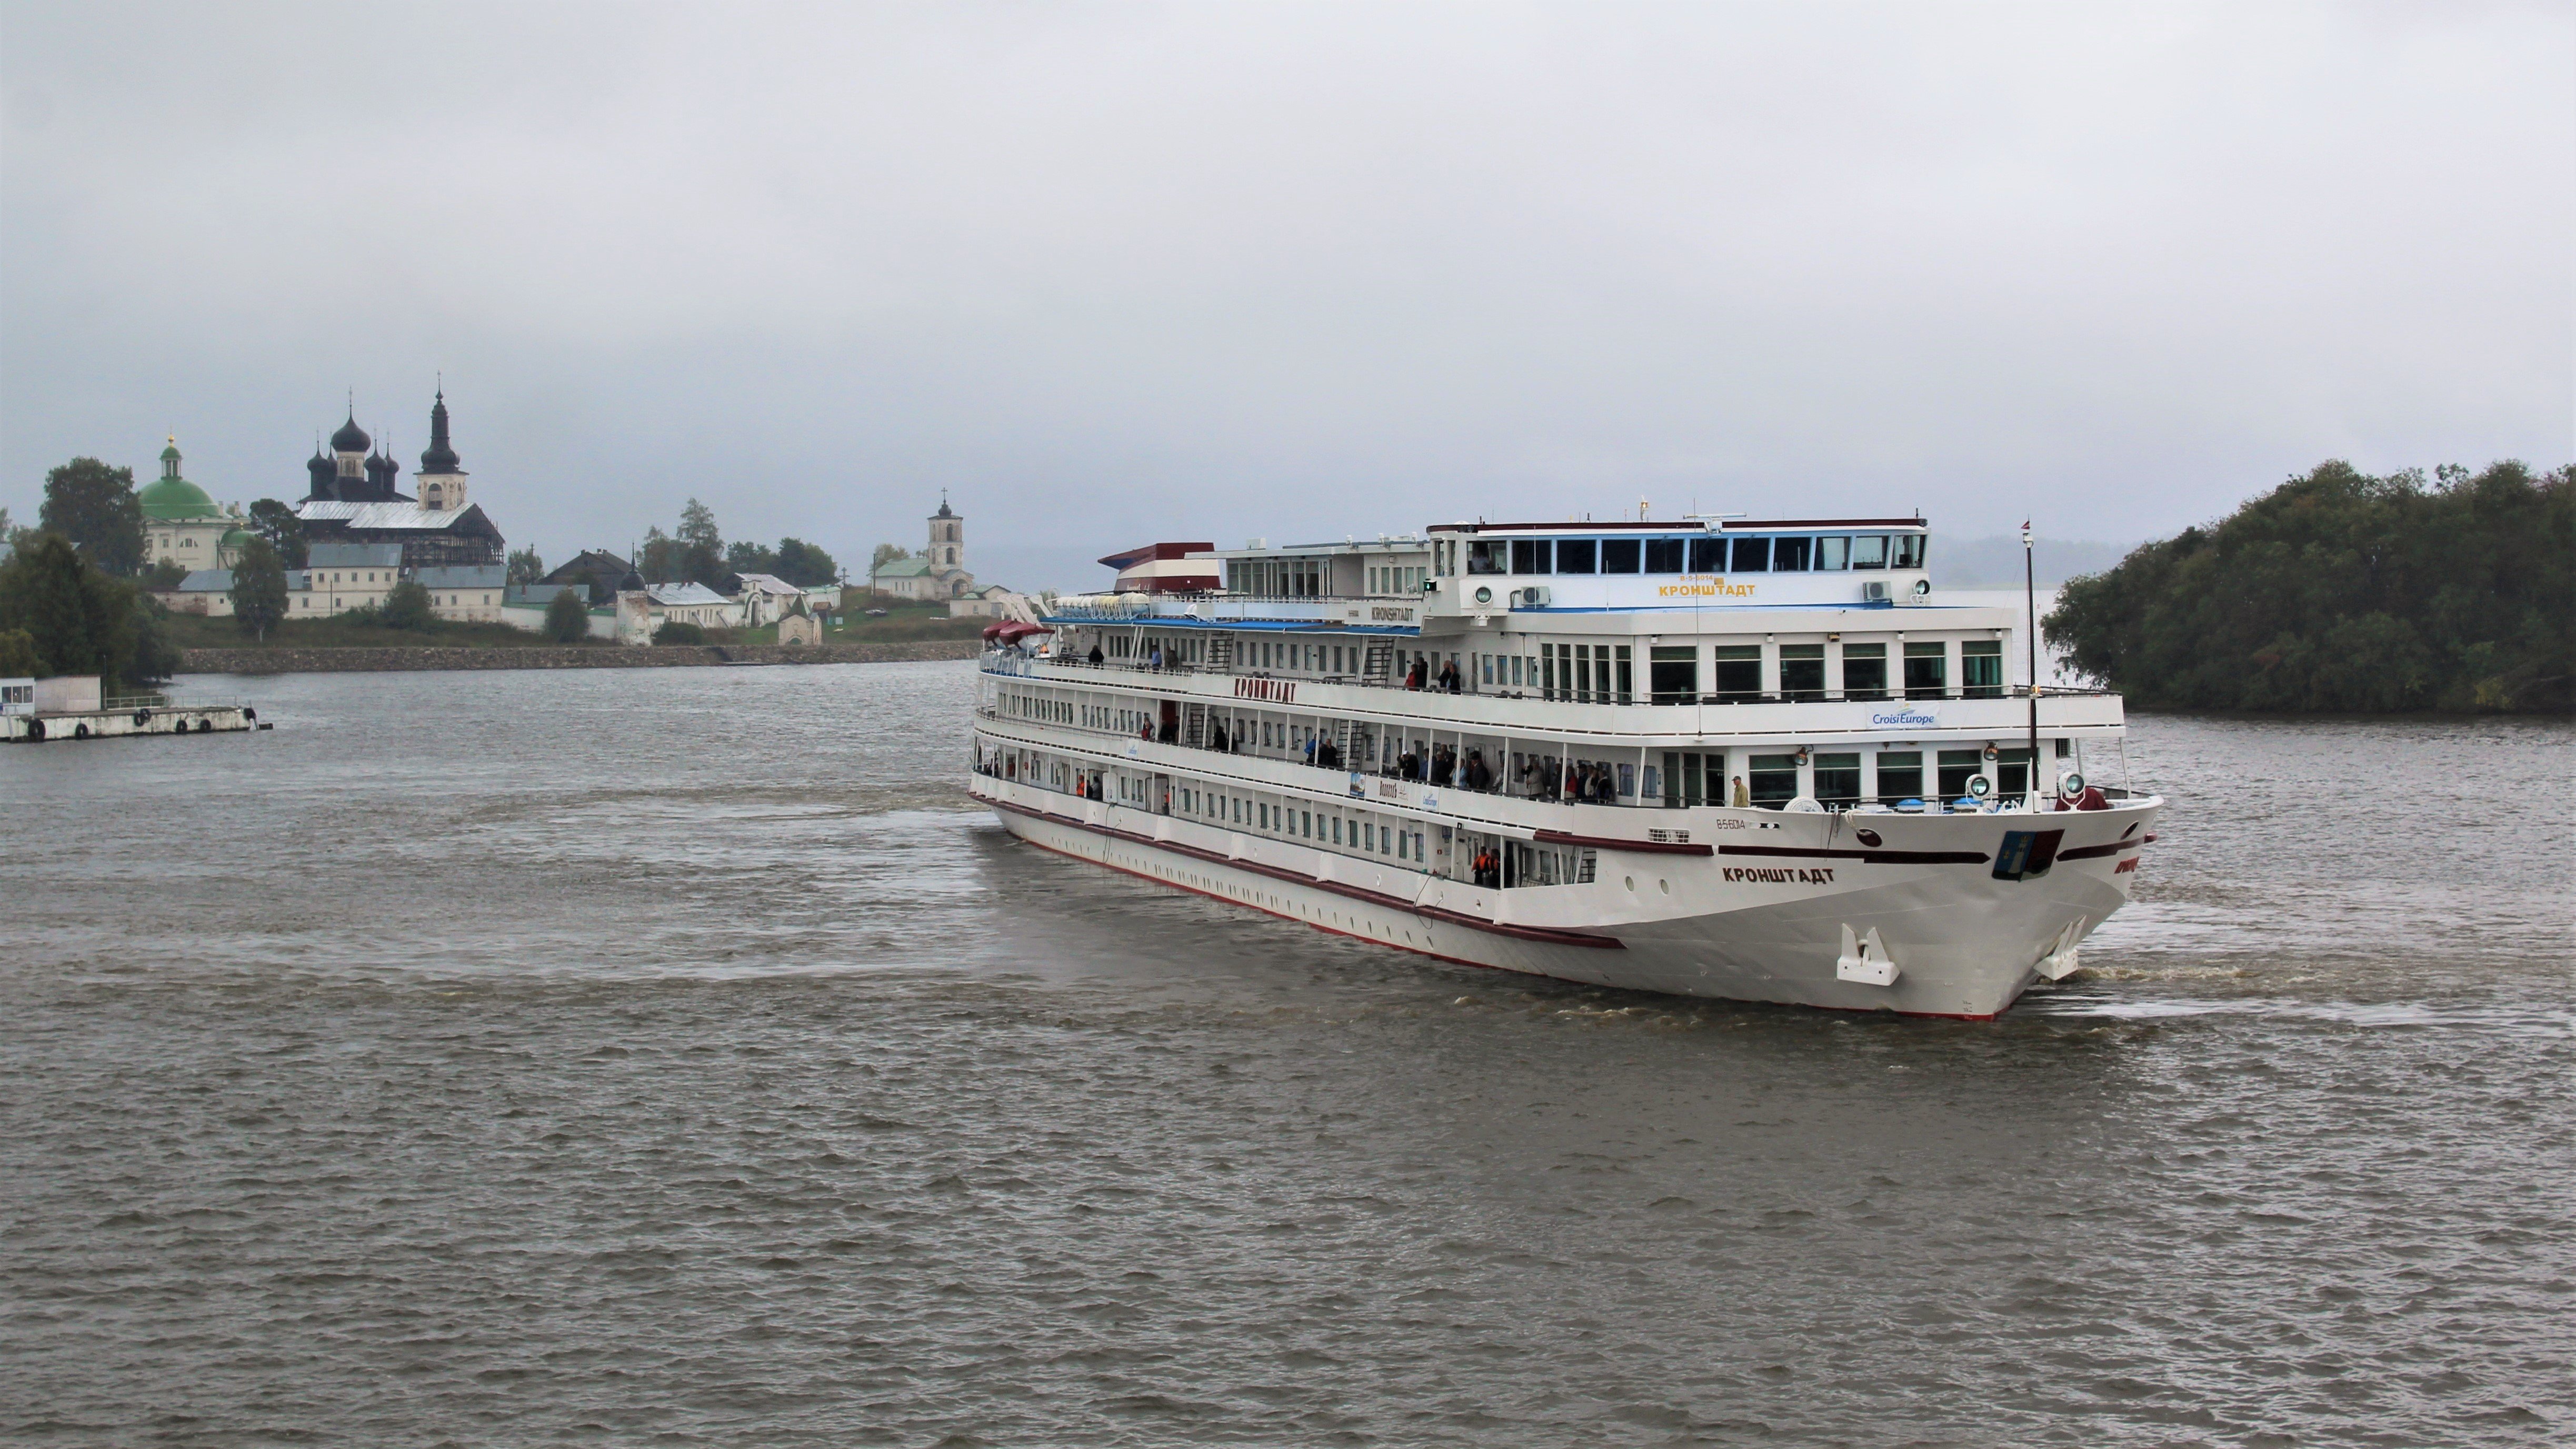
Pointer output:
x,y
1780,921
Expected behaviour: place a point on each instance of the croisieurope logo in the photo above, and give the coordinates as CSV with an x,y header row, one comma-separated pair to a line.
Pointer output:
x,y
1904,719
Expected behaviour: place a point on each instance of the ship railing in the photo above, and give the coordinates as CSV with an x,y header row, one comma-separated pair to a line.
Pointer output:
x,y
1561,696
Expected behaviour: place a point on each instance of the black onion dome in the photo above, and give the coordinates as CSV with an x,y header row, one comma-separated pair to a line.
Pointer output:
x,y
351,438
323,470
440,458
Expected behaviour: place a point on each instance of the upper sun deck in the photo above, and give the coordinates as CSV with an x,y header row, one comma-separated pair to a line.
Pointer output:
x,y
1458,573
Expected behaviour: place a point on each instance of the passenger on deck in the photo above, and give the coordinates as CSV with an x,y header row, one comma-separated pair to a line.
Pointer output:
x,y
1449,676
1444,765
1737,795
1096,655
1157,657
1413,676
1216,737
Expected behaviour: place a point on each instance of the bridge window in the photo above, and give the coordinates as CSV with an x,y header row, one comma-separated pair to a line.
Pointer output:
x,y
1869,551
1575,555
1802,670
1789,555
1981,668
1533,556
1672,673
1752,556
1838,779
1833,553
2012,772
1900,776
1739,673
1619,555
1958,767
1708,555
1486,557
1774,779
1664,555
1909,550
1864,671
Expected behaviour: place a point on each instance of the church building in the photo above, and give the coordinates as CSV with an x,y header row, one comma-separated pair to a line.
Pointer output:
x,y
182,525
353,498
940,571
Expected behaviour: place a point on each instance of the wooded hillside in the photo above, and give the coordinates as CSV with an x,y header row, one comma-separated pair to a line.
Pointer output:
x,y
2346,593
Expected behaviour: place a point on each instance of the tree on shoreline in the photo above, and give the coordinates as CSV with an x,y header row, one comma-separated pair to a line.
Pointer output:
x,y
2340,592
259,588
95,508
277,523
79,620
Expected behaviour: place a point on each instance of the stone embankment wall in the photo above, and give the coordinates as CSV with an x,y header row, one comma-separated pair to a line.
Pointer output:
x,y
575,656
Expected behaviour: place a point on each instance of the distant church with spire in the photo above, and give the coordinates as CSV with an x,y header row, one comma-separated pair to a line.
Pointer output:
x,y
354,496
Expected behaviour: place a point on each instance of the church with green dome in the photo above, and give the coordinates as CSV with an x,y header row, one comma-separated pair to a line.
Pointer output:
x,y
182,525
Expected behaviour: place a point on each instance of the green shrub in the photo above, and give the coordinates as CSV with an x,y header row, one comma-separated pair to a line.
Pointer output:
x,y
568,618
407,606
675,632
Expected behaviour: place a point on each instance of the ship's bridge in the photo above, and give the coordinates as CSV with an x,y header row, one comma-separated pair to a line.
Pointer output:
x,y
1490,568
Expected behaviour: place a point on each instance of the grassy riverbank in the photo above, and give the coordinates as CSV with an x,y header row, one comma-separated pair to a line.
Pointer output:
x,y
903,624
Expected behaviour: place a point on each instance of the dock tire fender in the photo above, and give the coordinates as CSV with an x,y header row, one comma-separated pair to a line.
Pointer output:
x,y
143,716
205,726
80,731
250,714
35,729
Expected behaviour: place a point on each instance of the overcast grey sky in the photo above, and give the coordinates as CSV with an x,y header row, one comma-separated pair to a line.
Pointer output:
x,y
1120,272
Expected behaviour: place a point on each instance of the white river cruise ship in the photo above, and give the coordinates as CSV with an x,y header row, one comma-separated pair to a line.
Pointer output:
x,y
1724,758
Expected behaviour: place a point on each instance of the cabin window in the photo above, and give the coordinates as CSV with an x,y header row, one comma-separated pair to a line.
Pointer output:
x,y
1927,670
1838,779
1626,671
1619,555
1833,553
1958,767
1533,556
1774,779
1752,556
1864,671
1707,555
1869,551
1802,671
1739,673
1789,555
1683,772
1575,555
1981,668
1909,550
1900,776
1664,555
1672,673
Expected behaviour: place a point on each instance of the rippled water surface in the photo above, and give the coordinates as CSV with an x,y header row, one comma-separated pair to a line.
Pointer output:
x,y
673,1056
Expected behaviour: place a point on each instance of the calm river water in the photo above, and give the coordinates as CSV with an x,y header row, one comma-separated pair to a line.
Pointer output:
x,y
674,1056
